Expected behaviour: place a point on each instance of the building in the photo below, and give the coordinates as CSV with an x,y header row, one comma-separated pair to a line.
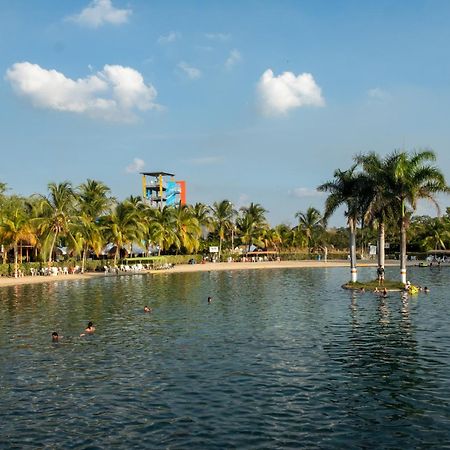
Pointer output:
x,y
160,189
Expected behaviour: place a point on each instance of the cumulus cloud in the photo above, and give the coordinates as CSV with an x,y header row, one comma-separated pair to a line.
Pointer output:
x,y
169,38
221,37
304,192
114,93
100,12
279,94
234,58
137,165
192,72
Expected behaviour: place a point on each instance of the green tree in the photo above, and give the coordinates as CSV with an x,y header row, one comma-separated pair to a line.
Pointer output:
x,y
15,226
55,214
411,178
123,226
311,224
346,189
222,216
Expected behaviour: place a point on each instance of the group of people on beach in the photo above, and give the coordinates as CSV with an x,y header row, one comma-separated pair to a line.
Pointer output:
x,y
90,329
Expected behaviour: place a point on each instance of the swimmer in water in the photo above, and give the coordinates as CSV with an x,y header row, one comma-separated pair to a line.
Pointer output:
x,y
89,329
425,289
55,337
209,299
384,293
147,309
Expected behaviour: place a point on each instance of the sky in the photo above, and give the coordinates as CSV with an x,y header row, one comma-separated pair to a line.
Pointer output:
x,y
250,101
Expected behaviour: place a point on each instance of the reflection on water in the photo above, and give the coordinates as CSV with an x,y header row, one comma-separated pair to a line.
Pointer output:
x,y
281,358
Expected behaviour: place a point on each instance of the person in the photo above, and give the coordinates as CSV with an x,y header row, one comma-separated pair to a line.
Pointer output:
x,y
384,293
89,329
407,285
425,289
362,290
55,337
376,291
380,275
209,299
147,309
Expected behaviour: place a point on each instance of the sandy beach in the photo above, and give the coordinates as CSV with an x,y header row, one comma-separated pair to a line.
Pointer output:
x,y
186,268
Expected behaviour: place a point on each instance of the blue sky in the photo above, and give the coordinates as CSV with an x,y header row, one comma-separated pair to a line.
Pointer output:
x,y
249,101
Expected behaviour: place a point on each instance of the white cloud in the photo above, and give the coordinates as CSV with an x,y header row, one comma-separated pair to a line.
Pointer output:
x,y
192,72
113,93
137,165
169,38
377,94
303,192
278,95
222,37
234,57
100,12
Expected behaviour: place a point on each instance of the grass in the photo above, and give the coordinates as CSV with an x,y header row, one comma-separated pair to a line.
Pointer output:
x,y
371,285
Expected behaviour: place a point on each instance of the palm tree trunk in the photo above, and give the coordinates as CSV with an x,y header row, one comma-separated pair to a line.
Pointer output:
x,y
353,270
83,259
16,266
403,251
220,247
51,250
115,255
381,235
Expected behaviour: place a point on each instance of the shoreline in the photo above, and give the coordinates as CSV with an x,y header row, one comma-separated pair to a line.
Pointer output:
x,y
189,268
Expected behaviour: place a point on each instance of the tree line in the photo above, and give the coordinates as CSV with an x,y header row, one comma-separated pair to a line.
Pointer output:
x,y
377,193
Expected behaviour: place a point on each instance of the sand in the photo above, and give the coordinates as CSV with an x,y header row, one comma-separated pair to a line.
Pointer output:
x,y
186,268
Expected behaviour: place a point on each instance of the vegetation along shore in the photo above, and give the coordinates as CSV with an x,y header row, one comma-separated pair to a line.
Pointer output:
x,y
84,228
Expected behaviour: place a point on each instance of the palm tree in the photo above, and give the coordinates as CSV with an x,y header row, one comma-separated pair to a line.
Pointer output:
x,y
15,227
222,216
123,226
438,232
310,223
188,228
251,224
162,228
380,203
345,189
93,202
411,178
55,215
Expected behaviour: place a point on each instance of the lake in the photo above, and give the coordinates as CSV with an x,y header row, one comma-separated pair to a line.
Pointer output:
x,y
281,358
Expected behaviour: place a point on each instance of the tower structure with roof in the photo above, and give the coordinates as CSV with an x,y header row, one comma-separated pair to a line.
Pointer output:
x,y
159,189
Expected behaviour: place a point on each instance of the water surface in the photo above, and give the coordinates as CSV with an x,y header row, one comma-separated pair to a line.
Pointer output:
x,y
280,359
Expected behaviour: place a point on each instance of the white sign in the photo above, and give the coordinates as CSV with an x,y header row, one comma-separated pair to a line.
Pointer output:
x,y
214,249
373,250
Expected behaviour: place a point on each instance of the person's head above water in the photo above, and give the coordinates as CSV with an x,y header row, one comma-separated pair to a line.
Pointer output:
x,y
90,325
55,336
147,309
209,299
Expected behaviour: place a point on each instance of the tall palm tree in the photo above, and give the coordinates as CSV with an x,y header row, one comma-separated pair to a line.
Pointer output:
x,y
93,202
222,215
379,201
410,178
310,223
55,215
345,189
